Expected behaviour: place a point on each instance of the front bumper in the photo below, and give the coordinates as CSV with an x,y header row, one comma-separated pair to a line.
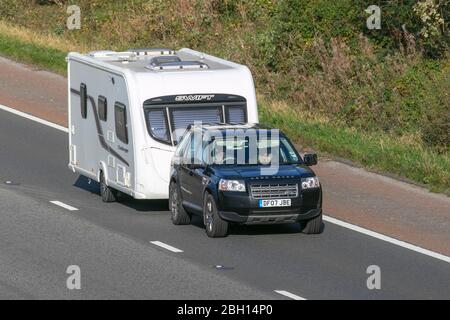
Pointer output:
x,y
275,218
240,207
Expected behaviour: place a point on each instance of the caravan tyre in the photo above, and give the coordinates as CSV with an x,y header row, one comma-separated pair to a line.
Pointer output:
x,y
178,213
108,194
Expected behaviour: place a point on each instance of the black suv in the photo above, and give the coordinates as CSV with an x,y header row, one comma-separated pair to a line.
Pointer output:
x,y
243,174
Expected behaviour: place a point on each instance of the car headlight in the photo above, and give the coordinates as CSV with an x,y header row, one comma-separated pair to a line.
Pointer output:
x,y
231,185
310,183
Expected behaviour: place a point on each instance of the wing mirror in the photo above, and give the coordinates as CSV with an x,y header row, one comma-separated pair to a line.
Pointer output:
x,y
310,159
195,166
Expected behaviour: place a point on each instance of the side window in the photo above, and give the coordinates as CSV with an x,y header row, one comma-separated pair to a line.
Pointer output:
x,y
186,152
120,116
83,100
236,114
192,148
102,108
157,124
182,146
197,149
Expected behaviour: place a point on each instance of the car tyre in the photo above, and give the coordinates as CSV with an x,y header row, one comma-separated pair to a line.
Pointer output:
x,y
313,226
108,194
216,227
178,213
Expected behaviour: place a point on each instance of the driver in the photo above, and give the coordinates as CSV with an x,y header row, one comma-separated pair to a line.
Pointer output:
x,y
265,158
219,156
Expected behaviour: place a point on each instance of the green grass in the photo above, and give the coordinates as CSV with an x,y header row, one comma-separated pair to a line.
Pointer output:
x,y
376,151
48,58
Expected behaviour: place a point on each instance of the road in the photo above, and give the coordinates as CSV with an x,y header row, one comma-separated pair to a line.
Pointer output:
x,y
112,243
376,202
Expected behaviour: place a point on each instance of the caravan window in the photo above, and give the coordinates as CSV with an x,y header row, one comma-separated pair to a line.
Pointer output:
x,y
236,114
182,117
102,108
83,100
168,117
157,124
121,122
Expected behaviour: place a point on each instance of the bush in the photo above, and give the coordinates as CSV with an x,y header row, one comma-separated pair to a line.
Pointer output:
x,y
316,56
436,130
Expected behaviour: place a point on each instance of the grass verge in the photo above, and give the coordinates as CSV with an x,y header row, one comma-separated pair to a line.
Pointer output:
x,y
45,57
376,151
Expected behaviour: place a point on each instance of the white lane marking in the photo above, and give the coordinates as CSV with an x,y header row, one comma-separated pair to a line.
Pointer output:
x,y
380,236
326,218
289,295
63,205
36,119
166,246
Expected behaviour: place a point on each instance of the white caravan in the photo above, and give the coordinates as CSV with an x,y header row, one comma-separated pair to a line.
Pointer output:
x,y
127,111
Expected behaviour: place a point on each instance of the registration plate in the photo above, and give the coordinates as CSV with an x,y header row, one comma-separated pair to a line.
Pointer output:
x,y
275,203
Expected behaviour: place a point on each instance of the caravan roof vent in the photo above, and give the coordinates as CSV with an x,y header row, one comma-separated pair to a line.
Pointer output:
x,y
157,61
174,64
152,51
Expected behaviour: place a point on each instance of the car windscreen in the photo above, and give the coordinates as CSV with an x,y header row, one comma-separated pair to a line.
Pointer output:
x,y
245,150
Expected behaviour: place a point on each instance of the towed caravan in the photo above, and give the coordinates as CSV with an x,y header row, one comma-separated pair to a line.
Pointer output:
x,y
128,110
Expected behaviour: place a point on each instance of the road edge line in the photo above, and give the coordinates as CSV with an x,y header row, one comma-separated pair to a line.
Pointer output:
x,y
34,118
338,222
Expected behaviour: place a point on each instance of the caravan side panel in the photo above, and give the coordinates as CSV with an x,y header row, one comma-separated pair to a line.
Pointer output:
x,y
99,107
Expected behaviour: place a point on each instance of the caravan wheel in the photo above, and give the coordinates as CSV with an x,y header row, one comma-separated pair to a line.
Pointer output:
x,y
178,213
108,194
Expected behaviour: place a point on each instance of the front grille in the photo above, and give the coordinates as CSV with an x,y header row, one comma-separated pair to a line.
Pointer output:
x,y
274,191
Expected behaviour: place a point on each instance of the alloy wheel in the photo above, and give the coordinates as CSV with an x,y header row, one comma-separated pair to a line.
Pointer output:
x,y
209,216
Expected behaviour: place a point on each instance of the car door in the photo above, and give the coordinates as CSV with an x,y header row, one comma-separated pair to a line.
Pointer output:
x,y
191,172
197,174
184,172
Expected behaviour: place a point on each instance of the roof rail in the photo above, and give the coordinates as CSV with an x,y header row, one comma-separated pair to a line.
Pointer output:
x,y
152,51
176,64
113,55
101,53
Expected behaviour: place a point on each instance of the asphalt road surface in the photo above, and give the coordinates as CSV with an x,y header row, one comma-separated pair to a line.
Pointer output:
x,y
112,243
373,201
